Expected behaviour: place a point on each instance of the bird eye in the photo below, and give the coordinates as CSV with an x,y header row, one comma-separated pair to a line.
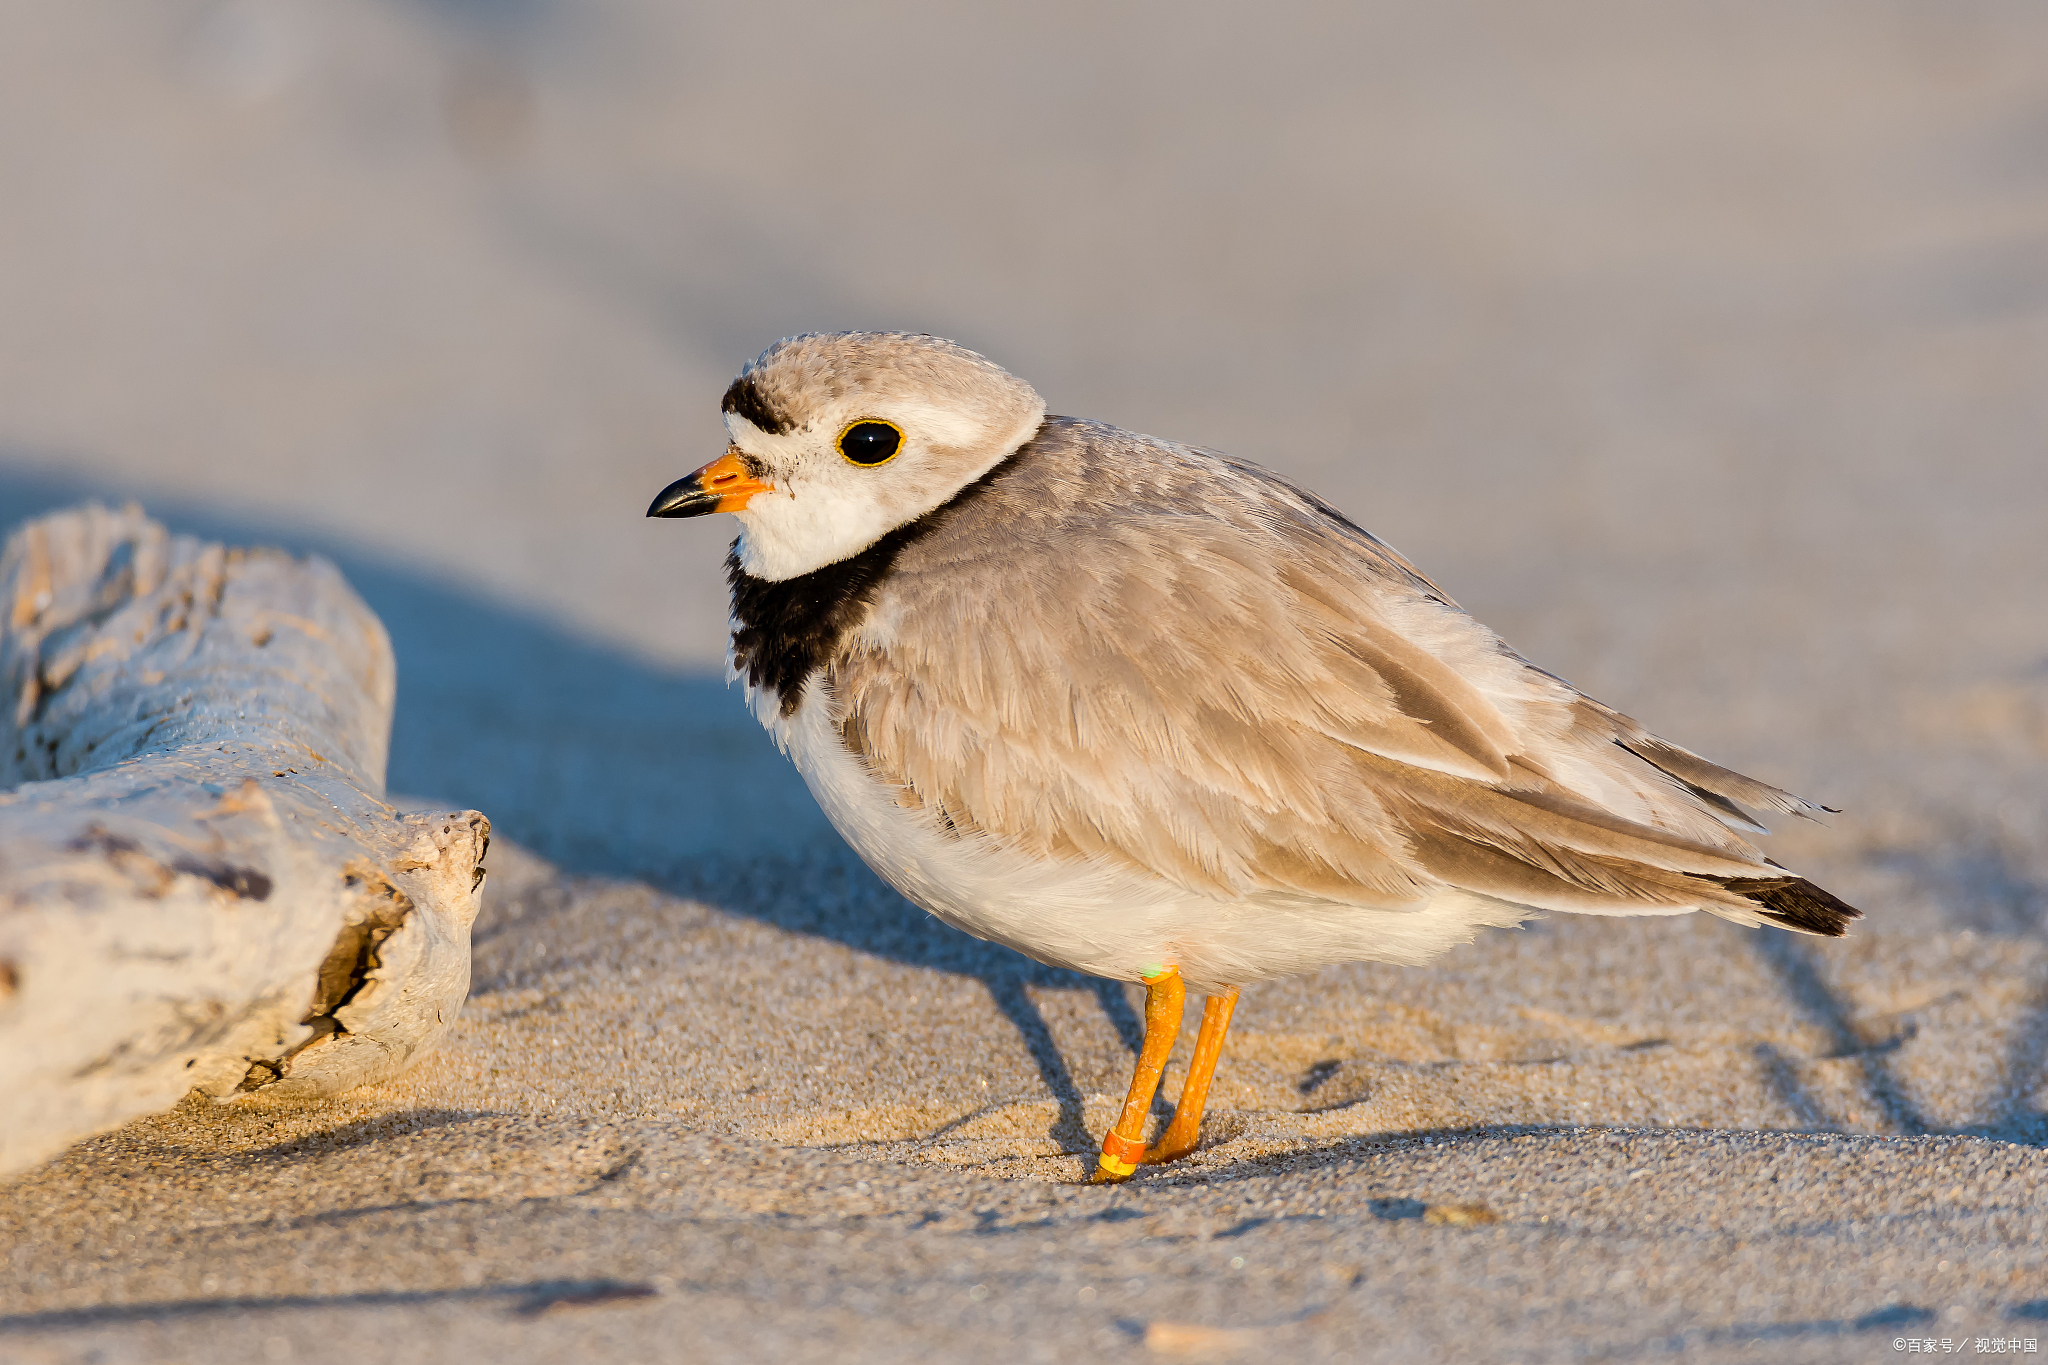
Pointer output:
x,y
869,442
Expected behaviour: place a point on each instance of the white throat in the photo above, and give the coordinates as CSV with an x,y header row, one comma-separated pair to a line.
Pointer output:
x,y
784,534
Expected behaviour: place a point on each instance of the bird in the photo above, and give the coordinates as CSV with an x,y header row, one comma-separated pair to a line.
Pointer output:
x,y
1153,713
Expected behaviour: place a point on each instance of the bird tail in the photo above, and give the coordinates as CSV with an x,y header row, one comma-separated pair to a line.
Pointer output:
x,y
1790,903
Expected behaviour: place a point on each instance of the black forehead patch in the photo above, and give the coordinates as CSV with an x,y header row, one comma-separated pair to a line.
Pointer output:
x,y
745,398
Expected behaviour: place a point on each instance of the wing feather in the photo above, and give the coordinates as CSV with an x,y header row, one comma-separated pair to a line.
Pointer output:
x,y
1143,654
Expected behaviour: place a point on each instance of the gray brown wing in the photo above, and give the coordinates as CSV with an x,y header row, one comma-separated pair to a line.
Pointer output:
x,y
1221,684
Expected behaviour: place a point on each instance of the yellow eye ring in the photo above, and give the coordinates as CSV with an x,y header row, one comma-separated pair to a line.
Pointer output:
x,y
869,442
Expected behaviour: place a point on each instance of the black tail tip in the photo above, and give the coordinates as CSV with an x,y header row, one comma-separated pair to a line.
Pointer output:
x,y
1797,904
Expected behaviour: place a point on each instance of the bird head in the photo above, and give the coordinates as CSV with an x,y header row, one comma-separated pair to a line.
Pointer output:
x,y
839,438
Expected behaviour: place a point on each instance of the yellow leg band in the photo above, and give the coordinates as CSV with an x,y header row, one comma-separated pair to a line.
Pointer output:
x,y
1114,1167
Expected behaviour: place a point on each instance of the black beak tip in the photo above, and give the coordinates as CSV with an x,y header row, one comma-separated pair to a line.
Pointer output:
x,y
683,498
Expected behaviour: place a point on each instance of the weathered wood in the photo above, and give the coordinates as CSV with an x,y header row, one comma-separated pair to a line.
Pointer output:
x,y
201,887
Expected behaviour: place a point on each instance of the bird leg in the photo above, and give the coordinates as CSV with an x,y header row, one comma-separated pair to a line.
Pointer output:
x,y
1185,1131
1123,1146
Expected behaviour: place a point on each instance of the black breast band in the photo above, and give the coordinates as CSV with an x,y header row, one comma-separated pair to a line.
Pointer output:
x,y
784,631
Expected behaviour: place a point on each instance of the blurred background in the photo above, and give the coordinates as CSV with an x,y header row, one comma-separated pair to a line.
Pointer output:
x,y
1700,348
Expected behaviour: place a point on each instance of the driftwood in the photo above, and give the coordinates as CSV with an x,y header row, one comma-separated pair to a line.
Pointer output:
x,y
201,887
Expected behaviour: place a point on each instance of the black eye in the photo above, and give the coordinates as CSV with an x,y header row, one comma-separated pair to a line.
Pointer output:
x,y
870,442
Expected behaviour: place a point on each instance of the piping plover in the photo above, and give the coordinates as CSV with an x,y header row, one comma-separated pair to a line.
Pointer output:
x,y
1155,714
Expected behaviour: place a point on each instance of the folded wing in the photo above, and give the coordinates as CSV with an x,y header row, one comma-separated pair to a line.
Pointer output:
x,y
1157,657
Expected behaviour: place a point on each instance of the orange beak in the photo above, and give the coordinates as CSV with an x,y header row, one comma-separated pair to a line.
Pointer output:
x,y
724,485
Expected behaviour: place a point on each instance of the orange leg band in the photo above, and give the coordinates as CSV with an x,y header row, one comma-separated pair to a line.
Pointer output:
x,y
1124,1146
1186,1129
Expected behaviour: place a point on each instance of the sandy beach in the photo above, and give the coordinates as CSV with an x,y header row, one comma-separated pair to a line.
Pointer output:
x,y
826,1131
1698,351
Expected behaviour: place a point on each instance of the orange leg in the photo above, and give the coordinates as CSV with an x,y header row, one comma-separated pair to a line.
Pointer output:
x,y
1185,1131
1123,1146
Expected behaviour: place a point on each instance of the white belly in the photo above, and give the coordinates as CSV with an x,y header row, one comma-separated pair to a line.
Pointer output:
x,y
1093,917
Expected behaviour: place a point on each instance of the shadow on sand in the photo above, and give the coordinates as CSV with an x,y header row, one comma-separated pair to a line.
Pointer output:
x,y
520,1300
